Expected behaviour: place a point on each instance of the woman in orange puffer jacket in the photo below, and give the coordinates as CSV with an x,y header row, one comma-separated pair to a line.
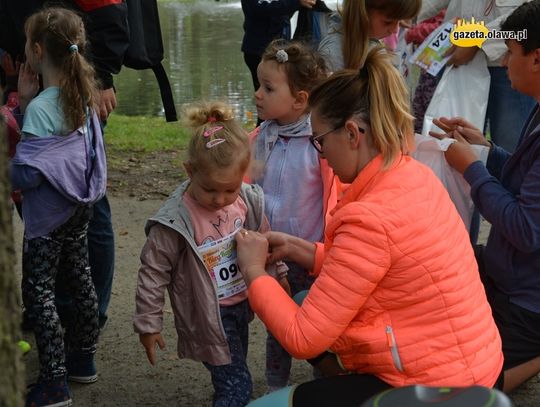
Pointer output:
x,y
397,299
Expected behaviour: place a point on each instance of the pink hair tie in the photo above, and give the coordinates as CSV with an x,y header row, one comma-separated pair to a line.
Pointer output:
x,y
212,119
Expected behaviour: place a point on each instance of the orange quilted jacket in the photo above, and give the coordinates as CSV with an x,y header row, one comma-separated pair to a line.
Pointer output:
x,y
398,293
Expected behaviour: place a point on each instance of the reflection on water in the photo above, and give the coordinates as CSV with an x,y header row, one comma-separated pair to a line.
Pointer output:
x,y
202,57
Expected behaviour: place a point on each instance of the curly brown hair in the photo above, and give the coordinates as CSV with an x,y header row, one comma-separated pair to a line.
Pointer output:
x,y
304,67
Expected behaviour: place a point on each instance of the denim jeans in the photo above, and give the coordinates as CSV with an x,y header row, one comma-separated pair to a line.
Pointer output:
x,y
101,255
507,110
101,259
278,360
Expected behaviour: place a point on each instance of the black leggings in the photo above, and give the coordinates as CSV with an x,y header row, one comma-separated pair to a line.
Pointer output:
x,y
345,390
252,61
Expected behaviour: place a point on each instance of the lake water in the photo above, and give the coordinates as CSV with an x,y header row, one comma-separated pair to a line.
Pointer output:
x,y
202,57
202,43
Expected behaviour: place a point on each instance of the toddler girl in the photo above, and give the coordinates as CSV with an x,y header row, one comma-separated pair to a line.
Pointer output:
x,y
191,251
298,186
60,167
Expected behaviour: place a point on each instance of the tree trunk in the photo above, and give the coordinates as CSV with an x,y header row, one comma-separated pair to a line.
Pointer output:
x,y
11,367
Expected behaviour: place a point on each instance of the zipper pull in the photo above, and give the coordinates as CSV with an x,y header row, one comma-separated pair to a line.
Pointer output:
x,y
389,337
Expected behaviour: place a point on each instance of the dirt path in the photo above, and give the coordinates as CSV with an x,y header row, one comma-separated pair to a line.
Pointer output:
x,y
126,378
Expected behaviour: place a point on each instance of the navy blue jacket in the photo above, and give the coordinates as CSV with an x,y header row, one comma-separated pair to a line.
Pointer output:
x,y
264,21
106,24
507,193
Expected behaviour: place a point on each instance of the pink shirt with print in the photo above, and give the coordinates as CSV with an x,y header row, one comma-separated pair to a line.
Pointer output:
x,y
213,225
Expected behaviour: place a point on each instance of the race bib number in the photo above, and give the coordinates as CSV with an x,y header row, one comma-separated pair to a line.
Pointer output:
x,y
220,259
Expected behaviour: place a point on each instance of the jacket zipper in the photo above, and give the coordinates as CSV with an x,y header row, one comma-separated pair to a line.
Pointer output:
x,y
279,178
393,348
193,245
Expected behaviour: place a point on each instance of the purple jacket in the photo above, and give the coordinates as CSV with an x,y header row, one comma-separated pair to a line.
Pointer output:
x,y
55,174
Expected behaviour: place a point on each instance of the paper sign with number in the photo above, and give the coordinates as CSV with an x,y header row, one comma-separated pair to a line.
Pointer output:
x,y
430,54
219,258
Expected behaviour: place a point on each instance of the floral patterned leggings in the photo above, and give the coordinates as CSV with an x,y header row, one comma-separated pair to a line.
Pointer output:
x,y
63,251
232,382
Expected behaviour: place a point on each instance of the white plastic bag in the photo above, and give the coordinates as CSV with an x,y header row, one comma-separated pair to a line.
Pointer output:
x,y
462,91
430,151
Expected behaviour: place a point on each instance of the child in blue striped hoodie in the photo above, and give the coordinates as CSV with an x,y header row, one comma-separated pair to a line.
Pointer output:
x,y
298,185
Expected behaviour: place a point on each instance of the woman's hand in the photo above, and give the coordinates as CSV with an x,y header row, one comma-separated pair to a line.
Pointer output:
x,y
107,103
252,249
279,246
466,129
287,247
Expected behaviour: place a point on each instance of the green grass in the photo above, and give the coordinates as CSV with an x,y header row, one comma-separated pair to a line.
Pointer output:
x,y
144,134
178,1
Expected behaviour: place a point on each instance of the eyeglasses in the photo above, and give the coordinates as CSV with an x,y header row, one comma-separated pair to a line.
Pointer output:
x,y
317,141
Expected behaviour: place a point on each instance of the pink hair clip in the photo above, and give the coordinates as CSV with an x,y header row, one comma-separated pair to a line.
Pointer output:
x,y
212,130
215,142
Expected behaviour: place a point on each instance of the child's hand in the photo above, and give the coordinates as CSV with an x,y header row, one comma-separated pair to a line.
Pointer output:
x,y
284,283
27,86
149,342
6,62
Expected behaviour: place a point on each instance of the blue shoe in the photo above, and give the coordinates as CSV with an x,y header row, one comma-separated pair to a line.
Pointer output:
x,y
81,367
50,393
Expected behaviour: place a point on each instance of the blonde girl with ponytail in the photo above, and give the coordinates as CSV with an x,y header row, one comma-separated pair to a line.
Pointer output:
x,y
398,299
359,25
